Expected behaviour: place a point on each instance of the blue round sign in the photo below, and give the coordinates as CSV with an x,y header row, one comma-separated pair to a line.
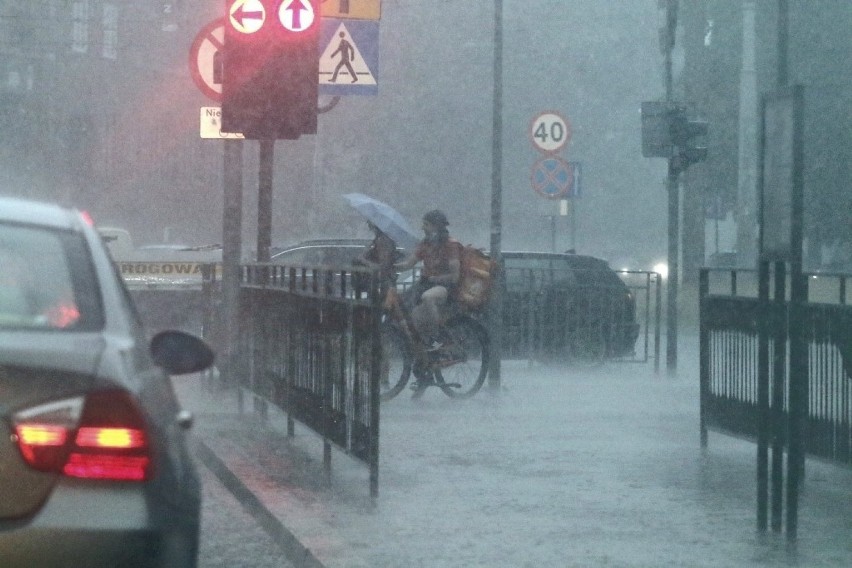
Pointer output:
x,y
552,177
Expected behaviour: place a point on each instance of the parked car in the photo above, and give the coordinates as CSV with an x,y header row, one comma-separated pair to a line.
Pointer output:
x,y
567,305
94,465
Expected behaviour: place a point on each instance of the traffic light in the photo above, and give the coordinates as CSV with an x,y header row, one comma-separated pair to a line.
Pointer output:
x,y
668,133
656,136
270,68
683,133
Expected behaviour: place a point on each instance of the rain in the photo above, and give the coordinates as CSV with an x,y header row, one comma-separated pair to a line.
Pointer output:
x,y
121,139
100,111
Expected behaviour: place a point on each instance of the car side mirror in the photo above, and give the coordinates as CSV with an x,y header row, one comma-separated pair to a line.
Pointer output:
x,y
180,353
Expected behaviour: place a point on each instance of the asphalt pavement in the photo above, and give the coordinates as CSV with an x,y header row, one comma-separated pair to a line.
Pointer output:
x,y
558,467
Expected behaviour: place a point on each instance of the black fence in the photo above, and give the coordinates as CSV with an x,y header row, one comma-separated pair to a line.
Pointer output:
x,y
308,343
731,361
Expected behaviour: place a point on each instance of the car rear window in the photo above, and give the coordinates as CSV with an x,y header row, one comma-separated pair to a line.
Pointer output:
x,y
521,272
47,280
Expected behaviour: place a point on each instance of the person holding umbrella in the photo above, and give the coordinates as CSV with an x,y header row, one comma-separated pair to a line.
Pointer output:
x,y
381,254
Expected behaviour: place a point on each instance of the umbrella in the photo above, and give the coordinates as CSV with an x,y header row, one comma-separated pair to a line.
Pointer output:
x,y
385,217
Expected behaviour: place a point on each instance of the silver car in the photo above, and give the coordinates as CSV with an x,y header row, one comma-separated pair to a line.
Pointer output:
x,y
94,466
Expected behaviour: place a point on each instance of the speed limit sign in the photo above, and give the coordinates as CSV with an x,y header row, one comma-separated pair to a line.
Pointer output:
x,y
550,131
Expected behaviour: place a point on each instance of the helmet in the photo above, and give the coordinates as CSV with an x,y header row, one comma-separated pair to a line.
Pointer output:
x,y
436,217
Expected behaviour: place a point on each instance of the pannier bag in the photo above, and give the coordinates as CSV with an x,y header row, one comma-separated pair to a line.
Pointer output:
x,y
477,273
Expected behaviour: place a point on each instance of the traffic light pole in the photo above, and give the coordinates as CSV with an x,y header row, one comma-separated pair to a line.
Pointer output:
x,y
672,191
264,199
495,324
232,215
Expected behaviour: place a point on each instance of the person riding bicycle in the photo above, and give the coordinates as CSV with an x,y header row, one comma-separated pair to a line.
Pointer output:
x,y
440,255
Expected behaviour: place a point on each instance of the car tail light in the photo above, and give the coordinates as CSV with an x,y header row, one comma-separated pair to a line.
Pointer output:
x,y
99,436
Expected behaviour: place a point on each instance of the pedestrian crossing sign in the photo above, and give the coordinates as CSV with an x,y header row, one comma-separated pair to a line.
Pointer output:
x,y
349,60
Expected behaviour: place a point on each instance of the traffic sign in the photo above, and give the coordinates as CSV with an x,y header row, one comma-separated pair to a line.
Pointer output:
x,y
552,177
204,59
247,16
210,125
550,131
349,57
354,9
296,15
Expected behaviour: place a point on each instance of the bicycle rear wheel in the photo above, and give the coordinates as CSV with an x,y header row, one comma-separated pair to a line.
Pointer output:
x,y
396,362
463,365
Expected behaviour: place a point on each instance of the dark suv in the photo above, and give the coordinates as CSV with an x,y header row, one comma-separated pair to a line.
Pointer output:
x,y
566,306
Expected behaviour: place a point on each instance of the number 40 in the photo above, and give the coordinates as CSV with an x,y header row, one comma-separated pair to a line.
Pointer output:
x,y
556,132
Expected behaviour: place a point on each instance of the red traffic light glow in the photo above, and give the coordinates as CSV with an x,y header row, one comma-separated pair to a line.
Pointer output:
x,y
281,19
270,68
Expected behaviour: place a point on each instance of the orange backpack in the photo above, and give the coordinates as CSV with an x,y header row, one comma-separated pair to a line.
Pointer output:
x,y
477,274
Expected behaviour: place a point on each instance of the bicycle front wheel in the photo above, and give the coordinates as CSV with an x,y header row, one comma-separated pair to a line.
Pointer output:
x,y
396,362
464,365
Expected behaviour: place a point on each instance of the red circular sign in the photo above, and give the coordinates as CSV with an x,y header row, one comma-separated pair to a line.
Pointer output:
x,y
552,177
550,131
204,58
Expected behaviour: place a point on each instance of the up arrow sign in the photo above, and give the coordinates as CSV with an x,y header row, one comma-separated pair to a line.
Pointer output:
x,y
291,15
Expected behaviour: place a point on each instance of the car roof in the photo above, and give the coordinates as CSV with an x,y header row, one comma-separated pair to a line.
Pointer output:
x,y
573,260
17,210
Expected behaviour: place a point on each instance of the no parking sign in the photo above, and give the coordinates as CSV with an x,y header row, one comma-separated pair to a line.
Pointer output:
x,y
552,177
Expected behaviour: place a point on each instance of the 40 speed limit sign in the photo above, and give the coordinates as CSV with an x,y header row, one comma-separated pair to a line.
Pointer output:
x,y
550,132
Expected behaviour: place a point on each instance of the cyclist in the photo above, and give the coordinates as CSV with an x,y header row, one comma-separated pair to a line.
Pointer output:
x,y
440,255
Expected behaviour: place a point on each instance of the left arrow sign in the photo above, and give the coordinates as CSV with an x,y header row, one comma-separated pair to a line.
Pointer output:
x,y
247,16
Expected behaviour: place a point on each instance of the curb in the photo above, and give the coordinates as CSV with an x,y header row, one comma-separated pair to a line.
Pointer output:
x,y
300,556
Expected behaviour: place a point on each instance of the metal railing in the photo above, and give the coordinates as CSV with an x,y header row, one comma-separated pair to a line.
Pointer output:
x,y
732,317
309,344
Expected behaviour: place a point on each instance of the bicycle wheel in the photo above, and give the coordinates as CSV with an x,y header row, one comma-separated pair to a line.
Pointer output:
x,y
463,366
396,362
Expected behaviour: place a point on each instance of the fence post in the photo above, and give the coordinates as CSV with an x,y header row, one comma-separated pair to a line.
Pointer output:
x,y
779,370
703,353
658,311
763,416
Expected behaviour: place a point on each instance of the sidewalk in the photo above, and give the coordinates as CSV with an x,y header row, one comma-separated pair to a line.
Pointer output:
x,y
563,467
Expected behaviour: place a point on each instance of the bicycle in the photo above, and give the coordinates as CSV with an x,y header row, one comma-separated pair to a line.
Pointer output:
x,y
458,367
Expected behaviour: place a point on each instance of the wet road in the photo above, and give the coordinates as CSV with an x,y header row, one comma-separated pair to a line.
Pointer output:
x,y
230,536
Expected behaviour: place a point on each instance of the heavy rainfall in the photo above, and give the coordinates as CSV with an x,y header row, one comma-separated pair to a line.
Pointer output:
x,y
101,111
117,134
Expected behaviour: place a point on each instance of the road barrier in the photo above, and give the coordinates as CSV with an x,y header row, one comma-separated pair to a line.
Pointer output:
x,y
308,342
